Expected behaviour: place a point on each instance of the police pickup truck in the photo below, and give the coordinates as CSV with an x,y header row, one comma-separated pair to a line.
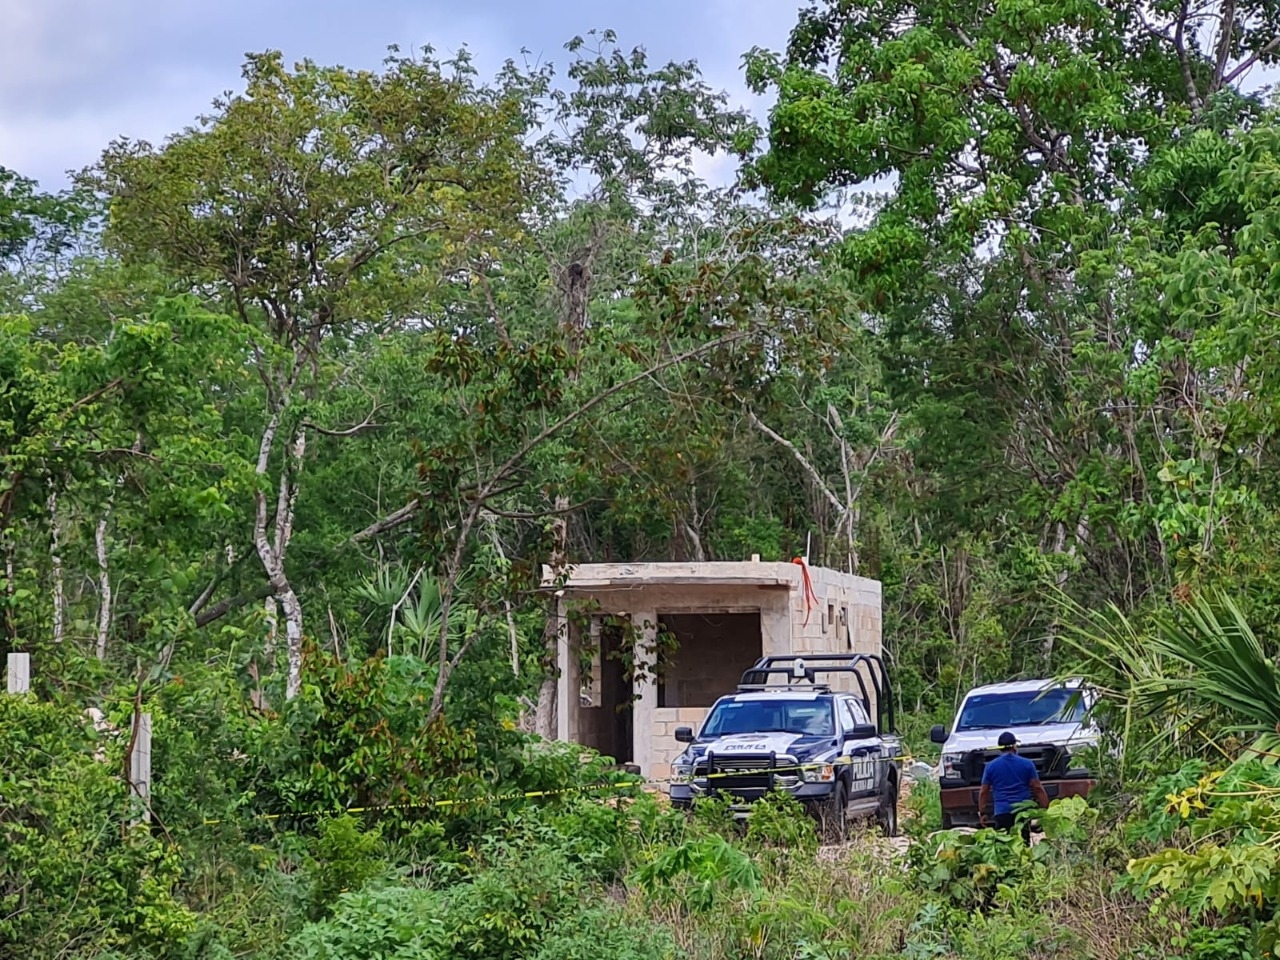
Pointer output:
x,y
1052,724
798,735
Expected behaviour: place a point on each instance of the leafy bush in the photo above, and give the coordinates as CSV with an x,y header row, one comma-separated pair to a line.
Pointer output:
x,y
73,872
1222,860
525,903
394,923
696,874
1068,820
780,823
923,808
343,858
605,932
355,737
967,870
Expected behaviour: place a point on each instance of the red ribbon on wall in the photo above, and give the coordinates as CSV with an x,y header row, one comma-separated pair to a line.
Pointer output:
x,y
808,589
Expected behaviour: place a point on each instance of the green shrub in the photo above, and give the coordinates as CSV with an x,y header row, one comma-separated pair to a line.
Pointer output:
x,y
923,809
344,858
605,932
73,876
696,874
1230,942
527,901
967,870
393,923
779,822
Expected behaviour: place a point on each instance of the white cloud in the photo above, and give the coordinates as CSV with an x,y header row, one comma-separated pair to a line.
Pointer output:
x,y
75,74
56,51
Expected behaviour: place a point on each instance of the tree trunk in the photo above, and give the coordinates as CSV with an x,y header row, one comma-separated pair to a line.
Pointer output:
x,y
544,720
293,634
104,586
59,585
271,550
575,287
515,641
11,590
271,614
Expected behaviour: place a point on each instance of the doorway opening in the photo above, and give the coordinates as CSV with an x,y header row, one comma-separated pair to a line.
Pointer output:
x,y
605,713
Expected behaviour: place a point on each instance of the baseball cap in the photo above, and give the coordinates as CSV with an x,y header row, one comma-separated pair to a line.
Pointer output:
x,y
1007,739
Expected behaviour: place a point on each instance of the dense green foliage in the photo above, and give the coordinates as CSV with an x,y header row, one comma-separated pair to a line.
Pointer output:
x,y
295,405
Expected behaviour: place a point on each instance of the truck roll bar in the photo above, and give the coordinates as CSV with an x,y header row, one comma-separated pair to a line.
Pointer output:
x,y
797,667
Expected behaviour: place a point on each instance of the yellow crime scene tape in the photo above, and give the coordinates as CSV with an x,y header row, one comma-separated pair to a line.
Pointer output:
x,y
618,786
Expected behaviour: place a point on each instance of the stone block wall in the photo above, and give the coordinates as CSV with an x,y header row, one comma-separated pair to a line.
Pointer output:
x,y
663,746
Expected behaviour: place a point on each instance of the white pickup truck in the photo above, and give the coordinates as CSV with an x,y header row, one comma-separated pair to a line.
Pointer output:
x,y
1052,722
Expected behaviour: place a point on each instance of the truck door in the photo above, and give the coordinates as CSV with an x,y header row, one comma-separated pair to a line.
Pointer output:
x,y
863,758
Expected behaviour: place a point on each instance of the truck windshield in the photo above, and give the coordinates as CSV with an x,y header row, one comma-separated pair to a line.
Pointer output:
x,y
805,717
988,711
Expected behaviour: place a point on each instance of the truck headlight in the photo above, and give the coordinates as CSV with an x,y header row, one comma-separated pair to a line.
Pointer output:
x,y
952,764
681,772
818,773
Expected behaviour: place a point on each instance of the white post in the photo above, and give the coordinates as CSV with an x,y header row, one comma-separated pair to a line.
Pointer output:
x,y
645,691
140,763
19,672
568,677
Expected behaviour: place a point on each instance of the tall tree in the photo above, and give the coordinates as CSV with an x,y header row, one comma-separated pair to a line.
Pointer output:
x,y
318,205
1047,168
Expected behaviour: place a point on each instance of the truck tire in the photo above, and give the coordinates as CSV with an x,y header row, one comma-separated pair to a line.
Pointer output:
x,y
833,818
887,812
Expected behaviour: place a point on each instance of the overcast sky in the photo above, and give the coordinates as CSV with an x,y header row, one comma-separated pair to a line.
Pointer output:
x,y
76,73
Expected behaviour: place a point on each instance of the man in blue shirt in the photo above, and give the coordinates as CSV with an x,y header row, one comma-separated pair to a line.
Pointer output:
x,y
1011,779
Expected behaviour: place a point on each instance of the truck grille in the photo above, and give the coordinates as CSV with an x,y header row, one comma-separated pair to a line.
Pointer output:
x,y
747,775
1050,761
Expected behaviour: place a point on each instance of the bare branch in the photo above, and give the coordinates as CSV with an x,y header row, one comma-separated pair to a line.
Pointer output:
x,y
205,595
558,510
389,522
800,459
486,489
1247,65
365,424
223,607
498,324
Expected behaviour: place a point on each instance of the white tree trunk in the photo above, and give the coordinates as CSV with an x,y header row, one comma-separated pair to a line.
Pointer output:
x,y
515,641
271,551
10,589
104,587
270,613
293,634
59,586
104,571
544,720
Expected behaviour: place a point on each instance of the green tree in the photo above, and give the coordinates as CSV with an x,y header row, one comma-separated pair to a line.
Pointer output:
x,y
1033,155
320,206
109,434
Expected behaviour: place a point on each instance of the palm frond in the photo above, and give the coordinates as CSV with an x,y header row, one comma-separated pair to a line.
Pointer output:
x,y
1196,667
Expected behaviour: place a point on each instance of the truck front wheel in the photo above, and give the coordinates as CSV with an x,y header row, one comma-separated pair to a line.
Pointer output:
x,y
887,812
833,816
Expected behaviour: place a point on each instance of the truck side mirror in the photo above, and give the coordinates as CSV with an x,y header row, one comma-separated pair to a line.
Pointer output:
x,y
938,734
861,731
684,734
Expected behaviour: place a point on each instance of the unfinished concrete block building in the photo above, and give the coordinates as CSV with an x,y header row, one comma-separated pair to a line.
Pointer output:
x,y
723,616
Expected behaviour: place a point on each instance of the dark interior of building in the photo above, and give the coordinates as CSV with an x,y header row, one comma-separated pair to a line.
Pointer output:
x,y
711,652
607,726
